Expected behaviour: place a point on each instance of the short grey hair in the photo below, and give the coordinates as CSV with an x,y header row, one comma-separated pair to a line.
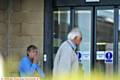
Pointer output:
x,y
75,32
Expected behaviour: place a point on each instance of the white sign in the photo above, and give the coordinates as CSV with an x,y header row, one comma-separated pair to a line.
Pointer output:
x,y
108,56
84,55
100,55
92,0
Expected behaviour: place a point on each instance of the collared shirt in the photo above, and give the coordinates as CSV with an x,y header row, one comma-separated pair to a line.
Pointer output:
x,y
27,68
72,45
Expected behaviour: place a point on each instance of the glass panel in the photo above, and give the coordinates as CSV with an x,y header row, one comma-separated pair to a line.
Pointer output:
x,y
104,40
61,23
83,22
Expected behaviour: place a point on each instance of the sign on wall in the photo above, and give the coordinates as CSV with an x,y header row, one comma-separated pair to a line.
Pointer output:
x,y
92,0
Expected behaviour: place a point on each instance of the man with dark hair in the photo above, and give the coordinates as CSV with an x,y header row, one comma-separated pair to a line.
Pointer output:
x,y
29,64
31,47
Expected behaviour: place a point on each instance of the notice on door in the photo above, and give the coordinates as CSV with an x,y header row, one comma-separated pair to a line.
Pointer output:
x,y
100,55
108,57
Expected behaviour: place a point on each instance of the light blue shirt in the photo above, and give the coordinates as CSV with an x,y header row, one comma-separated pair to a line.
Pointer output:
x,y
27,68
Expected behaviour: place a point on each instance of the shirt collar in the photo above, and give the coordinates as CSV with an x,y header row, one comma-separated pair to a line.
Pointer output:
x,y
72,44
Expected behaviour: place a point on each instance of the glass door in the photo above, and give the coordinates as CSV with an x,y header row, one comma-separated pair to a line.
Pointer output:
x,y
83,20
61,26
104,39
100,26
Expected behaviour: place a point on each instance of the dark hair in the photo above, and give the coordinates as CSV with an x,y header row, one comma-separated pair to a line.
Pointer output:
x,y
31,47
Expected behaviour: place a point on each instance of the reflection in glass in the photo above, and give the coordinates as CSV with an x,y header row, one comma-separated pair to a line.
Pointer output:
x,y
61,24
83,22
104,37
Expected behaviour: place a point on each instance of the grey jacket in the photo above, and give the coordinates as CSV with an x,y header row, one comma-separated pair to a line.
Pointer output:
x,y
66,61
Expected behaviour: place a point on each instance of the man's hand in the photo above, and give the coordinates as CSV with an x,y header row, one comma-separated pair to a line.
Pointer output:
x,y
36,58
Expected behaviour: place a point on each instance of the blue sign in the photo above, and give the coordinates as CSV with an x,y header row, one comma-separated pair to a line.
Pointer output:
x,y
109,57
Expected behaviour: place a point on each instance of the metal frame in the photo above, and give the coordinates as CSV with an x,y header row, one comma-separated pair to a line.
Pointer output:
x,y
72,19
116,26
93,57
48,34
